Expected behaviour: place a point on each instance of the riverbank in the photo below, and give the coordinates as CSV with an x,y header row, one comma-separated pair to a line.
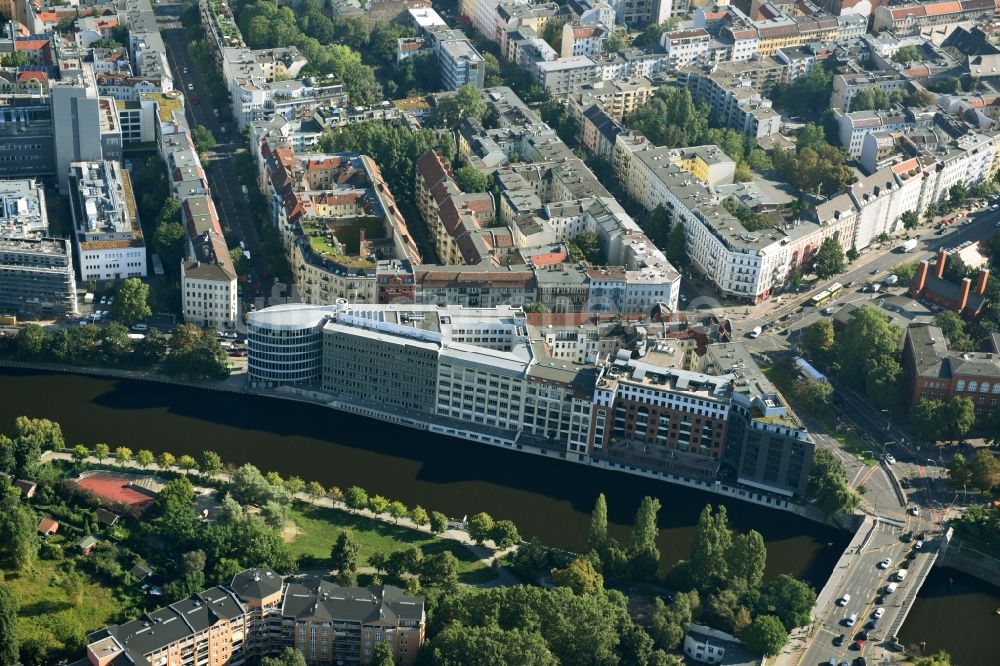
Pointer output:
x,y
236,383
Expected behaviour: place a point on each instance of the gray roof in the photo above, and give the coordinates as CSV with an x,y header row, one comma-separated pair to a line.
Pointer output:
x,y
364,605
928,350
256,583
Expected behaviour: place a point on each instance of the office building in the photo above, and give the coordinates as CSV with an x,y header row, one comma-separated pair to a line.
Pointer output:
x,y
107,240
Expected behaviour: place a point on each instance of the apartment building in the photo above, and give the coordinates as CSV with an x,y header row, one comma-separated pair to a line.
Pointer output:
x,y
644,12
737,93
856,125
583,40
107,240
563,75
459,62
617,98
932,19
260,614
847,86
37,277
685,47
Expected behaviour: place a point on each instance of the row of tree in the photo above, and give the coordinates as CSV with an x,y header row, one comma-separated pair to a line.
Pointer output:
x,y
190,351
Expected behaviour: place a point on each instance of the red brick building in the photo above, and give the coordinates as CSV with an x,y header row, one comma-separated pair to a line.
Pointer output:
x,y
934,372
961,298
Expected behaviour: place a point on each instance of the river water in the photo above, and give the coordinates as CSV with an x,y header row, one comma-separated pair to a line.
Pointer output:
x,y
546,498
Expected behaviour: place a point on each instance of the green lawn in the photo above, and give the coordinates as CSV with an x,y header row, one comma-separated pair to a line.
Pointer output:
x,y
48,618
319,528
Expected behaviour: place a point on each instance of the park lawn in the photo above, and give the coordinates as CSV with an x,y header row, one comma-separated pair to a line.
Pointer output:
x,y
318,528
48,618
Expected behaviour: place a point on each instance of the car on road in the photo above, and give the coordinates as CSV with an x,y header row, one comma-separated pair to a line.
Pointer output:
x,y
872,625
190,86
755,333
850,621
839,640
185,70
231,335
889,459
914,510
906,484
918,545
859,644
140,328
876,271
879,612
860,661
885,564
844,600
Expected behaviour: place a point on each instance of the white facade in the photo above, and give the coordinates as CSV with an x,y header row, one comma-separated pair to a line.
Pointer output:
x,y
210,302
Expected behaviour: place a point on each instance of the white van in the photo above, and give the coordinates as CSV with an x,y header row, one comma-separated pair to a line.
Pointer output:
x,y
755,333
891,587
901,575
851,620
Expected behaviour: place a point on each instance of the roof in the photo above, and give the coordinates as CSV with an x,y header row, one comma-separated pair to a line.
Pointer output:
x,y
106,517
365,605
47,525
257,583
88,541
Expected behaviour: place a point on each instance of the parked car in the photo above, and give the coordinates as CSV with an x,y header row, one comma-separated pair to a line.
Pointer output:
x,y
844,600
889,459
918,545
885,564
879,612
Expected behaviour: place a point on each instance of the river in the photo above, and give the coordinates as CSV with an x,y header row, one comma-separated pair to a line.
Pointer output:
x,y
545,498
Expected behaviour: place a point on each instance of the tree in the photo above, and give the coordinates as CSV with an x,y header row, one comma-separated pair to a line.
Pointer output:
x,y
467,102
958,470
953,328
817,340
397,510
747,558
765,636
9,645
419,515
985,470
471,179
344,554
240,262
676,247
439,570
174,506
30,342
461,645
504,534
928,416
249,486
80,453
378,504
123,455
315,490
941,658
383,655
15,59
868,336
597,537
18,536
101,451
906,54
187,463
580,576
829,259
295,485
712,540
814,395
439,522
957,194
289,657
204,140
210,463
356,498
910,219
650,36
668,623
789,599
480,527
145,458
131,302
960,416
828,488
585,246
165,460
644,556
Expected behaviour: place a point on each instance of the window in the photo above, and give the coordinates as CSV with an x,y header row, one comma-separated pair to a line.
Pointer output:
x,y
972,386
984,387
960,386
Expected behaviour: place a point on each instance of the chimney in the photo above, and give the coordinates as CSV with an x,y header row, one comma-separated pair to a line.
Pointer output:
x,y
942,258
917,286
984,277
966,288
